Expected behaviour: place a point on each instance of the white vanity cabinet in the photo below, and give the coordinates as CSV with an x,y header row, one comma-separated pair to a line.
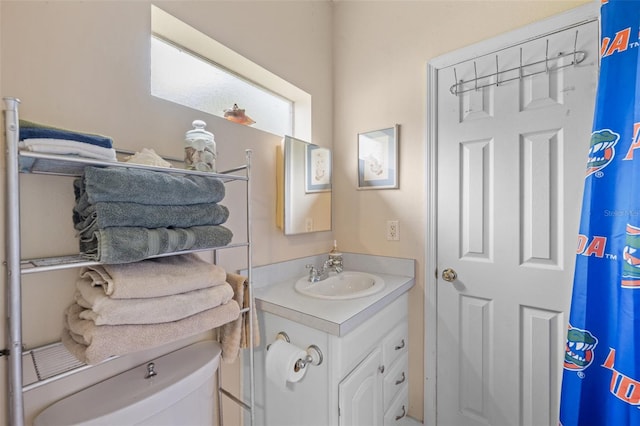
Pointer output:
x,y
363,378
362,381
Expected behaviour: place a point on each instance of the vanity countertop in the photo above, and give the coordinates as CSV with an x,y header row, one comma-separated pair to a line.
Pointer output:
x,y
337,317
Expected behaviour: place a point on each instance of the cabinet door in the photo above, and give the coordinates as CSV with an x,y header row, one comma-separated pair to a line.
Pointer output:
x,y
360,393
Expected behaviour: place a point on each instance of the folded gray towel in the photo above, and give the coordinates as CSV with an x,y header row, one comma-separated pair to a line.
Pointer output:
x,y
131,244
145,187
105,215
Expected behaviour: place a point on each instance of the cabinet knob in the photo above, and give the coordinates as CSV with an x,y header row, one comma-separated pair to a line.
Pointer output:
x,y
400,346
402,379
381,369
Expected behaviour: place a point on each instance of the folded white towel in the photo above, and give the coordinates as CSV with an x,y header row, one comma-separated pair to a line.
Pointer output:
x,y
171,275
92,343
68,147
148,157
103,310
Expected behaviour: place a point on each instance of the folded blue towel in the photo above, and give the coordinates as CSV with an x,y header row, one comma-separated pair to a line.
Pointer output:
x,y
106,215
31,130
130,244
120,184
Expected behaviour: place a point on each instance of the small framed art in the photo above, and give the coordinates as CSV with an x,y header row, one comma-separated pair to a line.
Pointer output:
x,y
378,159
318,169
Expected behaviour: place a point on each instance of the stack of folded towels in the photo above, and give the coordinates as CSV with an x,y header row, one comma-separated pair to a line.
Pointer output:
x,y
120,309
52,140
125,215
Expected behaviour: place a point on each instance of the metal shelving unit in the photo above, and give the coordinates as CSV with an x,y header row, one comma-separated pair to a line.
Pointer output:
x,y
18,162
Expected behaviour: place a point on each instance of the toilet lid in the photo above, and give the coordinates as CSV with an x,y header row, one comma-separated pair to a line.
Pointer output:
x,y
129,398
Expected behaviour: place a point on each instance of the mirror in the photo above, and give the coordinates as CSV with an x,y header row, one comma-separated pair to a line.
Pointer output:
x,y
306,187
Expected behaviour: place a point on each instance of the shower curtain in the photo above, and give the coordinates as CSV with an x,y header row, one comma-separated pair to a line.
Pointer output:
x,y
601,376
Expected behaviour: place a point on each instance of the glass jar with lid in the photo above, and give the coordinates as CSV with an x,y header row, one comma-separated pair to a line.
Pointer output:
x,y
200,148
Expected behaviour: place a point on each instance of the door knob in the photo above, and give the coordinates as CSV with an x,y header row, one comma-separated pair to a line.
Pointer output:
x,y
449,275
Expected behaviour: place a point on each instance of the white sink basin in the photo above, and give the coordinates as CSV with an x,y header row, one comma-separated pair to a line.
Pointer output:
x,y
345,285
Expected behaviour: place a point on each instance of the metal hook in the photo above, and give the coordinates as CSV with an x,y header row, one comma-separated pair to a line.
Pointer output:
x,y
520,69
575,46
546,57
455,81
578,57
475,71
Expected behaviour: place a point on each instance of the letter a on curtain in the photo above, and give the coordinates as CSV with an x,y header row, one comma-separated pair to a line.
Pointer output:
x,y
601,377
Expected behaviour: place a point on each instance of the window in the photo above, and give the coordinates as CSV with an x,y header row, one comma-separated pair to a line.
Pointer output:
x,y
191,69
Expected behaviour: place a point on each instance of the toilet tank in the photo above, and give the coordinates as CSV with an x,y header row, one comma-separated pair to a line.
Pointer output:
x,y
181,393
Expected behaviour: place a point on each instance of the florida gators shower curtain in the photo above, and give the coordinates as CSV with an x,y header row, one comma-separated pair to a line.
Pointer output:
x,y
601,378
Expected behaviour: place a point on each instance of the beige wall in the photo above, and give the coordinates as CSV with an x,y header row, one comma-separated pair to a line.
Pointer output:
x,y
381,49
84,65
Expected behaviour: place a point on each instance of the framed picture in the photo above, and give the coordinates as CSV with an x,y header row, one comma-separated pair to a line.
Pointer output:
x,y
318,169
378,159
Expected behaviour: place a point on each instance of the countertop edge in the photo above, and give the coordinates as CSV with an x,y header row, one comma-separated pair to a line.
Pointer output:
x,y
329,326
299,317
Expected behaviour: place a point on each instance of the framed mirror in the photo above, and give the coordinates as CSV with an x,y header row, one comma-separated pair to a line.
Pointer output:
x,y
307,187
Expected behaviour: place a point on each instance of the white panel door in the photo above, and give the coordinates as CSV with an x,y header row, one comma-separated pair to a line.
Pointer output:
x,y
511,166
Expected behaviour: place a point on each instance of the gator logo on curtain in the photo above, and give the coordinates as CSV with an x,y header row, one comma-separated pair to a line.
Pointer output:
x,y
631,256
578,353
623,387
602,150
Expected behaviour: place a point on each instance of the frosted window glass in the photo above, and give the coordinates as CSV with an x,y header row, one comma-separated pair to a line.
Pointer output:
x,y
181,77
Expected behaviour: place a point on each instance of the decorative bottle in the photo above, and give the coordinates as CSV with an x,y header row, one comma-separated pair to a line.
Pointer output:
x,y
200,148
336,257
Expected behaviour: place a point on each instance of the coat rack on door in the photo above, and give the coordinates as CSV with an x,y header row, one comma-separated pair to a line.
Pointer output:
x,y
472,84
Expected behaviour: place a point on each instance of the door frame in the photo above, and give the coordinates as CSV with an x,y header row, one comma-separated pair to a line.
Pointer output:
x,y
574,17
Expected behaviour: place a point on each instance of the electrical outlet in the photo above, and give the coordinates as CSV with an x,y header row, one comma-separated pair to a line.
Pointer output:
x,y
308,224
393,230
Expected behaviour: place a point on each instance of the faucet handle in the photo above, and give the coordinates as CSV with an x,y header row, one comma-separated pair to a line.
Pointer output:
x,y
314,274
312,270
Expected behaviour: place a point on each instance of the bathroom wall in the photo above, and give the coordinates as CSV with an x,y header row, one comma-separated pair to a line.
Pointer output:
x,y
84,65
381,49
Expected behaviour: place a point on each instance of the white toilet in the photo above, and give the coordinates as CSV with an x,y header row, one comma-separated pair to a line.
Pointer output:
x,y
181,392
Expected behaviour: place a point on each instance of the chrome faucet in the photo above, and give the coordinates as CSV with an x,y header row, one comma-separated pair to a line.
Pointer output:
x,y
331,264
